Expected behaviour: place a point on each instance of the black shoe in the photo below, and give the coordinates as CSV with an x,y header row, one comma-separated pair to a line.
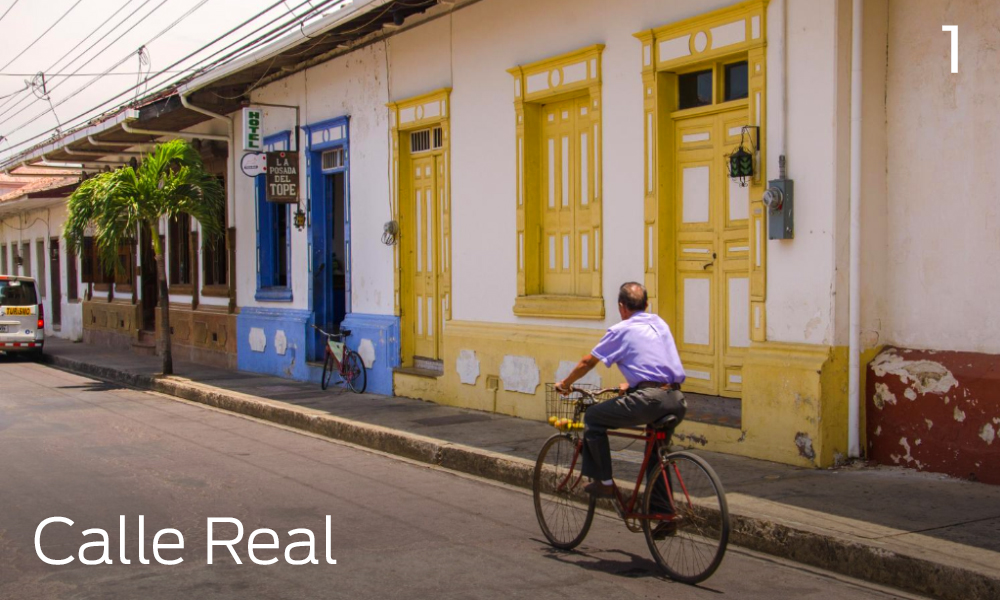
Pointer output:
x,y
599,490
664,530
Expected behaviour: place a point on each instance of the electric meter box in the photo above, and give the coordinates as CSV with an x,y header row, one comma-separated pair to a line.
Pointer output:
x,y
780,200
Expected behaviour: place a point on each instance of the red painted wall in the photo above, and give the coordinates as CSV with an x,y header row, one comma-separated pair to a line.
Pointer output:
x,y
935,411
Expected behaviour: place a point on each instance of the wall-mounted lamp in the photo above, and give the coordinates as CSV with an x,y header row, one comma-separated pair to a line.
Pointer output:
x,y
743,159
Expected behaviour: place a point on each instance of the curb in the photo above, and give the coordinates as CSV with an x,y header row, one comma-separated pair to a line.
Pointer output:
x,y
868,562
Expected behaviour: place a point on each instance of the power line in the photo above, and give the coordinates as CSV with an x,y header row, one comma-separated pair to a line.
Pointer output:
x,y
48,74
64,15
89,48
266,38
261,40
84,86
9,9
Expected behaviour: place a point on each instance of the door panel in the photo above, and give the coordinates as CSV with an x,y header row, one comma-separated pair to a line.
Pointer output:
x,y
426,267
712,268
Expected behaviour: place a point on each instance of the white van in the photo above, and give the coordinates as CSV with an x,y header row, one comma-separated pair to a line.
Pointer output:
x,y
22,324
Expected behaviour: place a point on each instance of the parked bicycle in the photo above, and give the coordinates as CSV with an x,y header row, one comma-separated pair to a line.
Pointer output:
x,y
346,362
690,549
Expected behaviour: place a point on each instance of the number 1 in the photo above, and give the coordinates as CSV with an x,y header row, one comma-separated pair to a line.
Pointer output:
x,y
954,45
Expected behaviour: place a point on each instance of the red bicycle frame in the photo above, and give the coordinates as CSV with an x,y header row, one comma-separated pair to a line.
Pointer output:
x,y
627,509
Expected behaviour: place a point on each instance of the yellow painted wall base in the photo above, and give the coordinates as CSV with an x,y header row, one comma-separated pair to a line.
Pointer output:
x,y
794,395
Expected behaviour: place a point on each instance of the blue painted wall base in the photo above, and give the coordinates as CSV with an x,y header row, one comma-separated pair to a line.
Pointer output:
x,y
262,325
383,333
267,322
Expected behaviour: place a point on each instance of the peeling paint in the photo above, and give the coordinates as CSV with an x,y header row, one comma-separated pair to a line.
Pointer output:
x,y
883,396
697,439
929,424
988,433
519,374
280,342
910,394
805,445
927,376
878,430
467,366
257,339
366,350
959,414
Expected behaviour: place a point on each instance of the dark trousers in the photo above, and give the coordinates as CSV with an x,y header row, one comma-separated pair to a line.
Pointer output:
x,y
635,408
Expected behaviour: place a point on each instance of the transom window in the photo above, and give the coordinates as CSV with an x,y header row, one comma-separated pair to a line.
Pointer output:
x,y
723,82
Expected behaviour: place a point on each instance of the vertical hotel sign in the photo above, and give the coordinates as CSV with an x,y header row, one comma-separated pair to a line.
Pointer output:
x,y
253,128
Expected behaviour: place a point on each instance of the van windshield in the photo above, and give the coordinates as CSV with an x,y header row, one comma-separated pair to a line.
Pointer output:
x,y
17,293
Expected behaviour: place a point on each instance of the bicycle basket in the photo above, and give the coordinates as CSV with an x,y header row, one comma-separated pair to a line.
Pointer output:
x,y
565,413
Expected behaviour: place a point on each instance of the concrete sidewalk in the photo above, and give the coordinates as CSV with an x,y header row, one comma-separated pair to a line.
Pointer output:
x,y
918,532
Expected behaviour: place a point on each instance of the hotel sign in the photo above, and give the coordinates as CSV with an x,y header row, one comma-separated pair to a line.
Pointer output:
x,y
253,129
283,177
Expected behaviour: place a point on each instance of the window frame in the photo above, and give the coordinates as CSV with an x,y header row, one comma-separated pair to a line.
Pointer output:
x,y
174,246
217,251
267,240
572,75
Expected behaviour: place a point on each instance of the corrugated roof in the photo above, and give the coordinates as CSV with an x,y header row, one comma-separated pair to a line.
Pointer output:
x,y
35,186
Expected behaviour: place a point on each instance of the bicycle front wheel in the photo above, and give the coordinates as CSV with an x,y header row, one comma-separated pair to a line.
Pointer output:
x,y
353,371
564,510
690,549
324,379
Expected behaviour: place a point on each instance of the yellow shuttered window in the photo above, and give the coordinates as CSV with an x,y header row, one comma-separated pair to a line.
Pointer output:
x,y
559,198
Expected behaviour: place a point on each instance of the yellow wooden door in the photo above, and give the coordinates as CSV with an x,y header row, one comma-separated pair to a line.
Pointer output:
x,y
426,309
567,193
712,269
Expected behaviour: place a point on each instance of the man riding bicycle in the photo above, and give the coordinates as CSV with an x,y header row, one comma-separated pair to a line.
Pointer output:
x,y
644,350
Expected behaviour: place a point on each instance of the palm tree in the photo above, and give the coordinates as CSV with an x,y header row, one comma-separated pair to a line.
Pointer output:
x,y
169,182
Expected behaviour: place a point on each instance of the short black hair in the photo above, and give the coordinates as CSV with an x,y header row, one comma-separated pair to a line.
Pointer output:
x,y
633,296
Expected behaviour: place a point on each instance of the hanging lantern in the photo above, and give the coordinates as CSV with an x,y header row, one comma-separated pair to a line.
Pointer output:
x,y
741,161
300,218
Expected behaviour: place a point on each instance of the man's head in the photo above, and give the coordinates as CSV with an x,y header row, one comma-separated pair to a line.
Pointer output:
x,y
632,298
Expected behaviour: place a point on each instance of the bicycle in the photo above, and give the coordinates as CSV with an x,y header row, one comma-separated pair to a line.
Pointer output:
x,y
348,363
690,550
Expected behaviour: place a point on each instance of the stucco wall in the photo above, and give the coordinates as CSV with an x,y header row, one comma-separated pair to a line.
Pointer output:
x,y
470,51
801,272
353,86
44,224
943,210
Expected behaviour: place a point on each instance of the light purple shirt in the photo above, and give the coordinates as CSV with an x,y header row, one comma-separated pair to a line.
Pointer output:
x,y
643,349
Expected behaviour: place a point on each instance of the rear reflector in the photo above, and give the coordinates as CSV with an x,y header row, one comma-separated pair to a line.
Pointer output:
x,y
18,345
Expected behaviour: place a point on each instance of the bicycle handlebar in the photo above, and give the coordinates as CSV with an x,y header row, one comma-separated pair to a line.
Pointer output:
x,y
593,393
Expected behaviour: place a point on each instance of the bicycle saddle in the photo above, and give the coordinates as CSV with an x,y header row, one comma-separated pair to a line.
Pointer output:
x,y
665,422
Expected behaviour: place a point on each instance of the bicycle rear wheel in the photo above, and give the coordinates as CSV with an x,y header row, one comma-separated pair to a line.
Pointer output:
x,y
324,379
353,371
694,547
564,510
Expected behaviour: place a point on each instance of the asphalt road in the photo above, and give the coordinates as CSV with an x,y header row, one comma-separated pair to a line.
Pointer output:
x,y
90,452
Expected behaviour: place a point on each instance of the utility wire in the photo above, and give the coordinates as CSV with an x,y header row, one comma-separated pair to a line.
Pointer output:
x,y
167,69
264,39
71,50
9,9
89,48
84,86
48,74
59,20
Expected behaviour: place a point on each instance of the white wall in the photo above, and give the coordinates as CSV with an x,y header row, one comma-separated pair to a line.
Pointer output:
x,y
43,224
800,272
943,182
354,86
470,52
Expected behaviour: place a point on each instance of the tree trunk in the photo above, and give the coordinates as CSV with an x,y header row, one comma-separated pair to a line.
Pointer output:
x,y
163,341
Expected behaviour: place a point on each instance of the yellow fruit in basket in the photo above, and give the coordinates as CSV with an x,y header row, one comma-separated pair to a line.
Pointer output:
x,y
552,420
